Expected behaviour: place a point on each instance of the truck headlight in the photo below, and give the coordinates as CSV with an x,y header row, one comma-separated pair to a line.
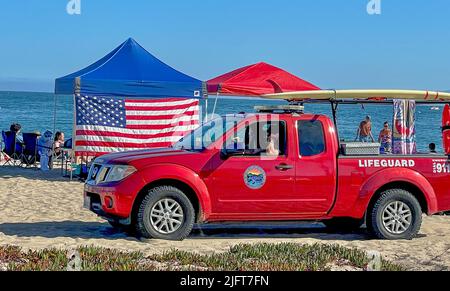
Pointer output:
x,y
119,173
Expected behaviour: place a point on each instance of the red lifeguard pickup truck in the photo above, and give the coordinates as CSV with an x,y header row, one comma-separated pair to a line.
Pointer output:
x,y
271,166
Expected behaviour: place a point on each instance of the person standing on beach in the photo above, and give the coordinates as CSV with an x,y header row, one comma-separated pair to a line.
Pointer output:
x,y
364,133
385,138
432,148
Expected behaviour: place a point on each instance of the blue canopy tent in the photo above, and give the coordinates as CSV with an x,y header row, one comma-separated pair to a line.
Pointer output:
x,y
130,71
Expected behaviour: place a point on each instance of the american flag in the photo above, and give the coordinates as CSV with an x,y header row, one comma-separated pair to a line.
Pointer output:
x,y
115,124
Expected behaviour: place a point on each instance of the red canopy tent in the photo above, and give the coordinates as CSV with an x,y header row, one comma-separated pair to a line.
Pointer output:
x,y
256,80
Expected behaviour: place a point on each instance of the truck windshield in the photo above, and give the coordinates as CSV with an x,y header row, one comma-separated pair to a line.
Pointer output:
x,y
208,133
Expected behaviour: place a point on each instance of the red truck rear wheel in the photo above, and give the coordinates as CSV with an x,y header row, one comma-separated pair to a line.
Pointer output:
x,y
396,215
165,213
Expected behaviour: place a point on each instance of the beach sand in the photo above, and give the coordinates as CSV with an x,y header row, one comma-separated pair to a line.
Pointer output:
x,y
42,210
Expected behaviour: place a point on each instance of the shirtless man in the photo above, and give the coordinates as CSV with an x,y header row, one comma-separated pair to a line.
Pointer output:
x,y
365,131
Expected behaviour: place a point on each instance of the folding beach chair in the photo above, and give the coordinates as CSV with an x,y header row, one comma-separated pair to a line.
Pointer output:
x,y
12,149
30,152
59,156
56,158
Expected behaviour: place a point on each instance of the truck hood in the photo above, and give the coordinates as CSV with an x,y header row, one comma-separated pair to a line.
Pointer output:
x,y
142,157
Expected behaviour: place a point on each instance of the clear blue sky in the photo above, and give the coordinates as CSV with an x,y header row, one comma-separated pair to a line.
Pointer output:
x,y
332,43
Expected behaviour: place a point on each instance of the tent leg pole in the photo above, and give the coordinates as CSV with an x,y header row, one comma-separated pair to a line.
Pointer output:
x,y
74,135
206,108
215,104
54,115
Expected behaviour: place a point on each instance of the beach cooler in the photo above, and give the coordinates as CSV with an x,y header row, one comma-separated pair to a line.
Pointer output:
x,y
360,148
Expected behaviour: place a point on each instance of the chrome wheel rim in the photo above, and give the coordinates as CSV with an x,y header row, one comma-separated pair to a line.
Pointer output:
x,y
167,216
397,217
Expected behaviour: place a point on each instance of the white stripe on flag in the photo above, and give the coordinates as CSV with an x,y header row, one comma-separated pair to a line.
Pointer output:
x,y
162,112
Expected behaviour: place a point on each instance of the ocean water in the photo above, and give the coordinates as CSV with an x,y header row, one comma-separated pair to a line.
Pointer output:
x,y
36,111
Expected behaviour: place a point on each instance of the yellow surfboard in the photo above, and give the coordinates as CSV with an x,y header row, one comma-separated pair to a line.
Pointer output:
x,y
362,95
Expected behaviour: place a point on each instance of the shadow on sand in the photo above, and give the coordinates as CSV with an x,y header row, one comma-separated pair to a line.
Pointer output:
x,y
93,230
68,229
276,231
55,175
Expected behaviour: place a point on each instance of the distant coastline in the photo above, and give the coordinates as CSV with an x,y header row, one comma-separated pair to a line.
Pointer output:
x,y
16,84
24,91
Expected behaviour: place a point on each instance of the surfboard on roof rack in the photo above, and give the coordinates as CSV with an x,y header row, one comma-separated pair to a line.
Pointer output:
x,y
362,95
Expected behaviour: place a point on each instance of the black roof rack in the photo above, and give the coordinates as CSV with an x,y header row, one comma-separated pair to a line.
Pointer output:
x,y
281,109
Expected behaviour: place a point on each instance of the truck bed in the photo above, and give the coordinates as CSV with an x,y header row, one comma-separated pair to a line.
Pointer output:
x,y
361,176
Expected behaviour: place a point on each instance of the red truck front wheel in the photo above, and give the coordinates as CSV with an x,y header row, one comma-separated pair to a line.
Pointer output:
x,y
165,213
395,215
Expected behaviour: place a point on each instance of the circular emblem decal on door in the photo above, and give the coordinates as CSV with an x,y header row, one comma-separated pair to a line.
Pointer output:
x,y
255,177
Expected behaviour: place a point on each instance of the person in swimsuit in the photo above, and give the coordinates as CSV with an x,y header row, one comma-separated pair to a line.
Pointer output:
x,y
364,133
385,138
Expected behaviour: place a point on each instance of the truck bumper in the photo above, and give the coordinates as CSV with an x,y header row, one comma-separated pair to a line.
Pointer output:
x,y
113,202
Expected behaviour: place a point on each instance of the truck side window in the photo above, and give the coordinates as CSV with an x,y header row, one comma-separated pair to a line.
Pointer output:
x,y
311,138
260,138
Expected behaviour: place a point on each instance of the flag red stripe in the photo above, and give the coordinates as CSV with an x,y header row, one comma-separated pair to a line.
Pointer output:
x,y
129,135
159,100
89,154
122,145
159,108
160,126
161,117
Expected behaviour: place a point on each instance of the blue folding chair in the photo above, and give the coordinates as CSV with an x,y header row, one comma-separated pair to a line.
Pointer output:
x,y
3,155
30,151
13,150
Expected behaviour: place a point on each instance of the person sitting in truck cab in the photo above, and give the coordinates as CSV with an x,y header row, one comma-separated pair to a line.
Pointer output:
x,y
265,139
272,148
365,130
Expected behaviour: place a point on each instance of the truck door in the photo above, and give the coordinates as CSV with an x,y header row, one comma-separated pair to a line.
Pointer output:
x,y
316,165
260,182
